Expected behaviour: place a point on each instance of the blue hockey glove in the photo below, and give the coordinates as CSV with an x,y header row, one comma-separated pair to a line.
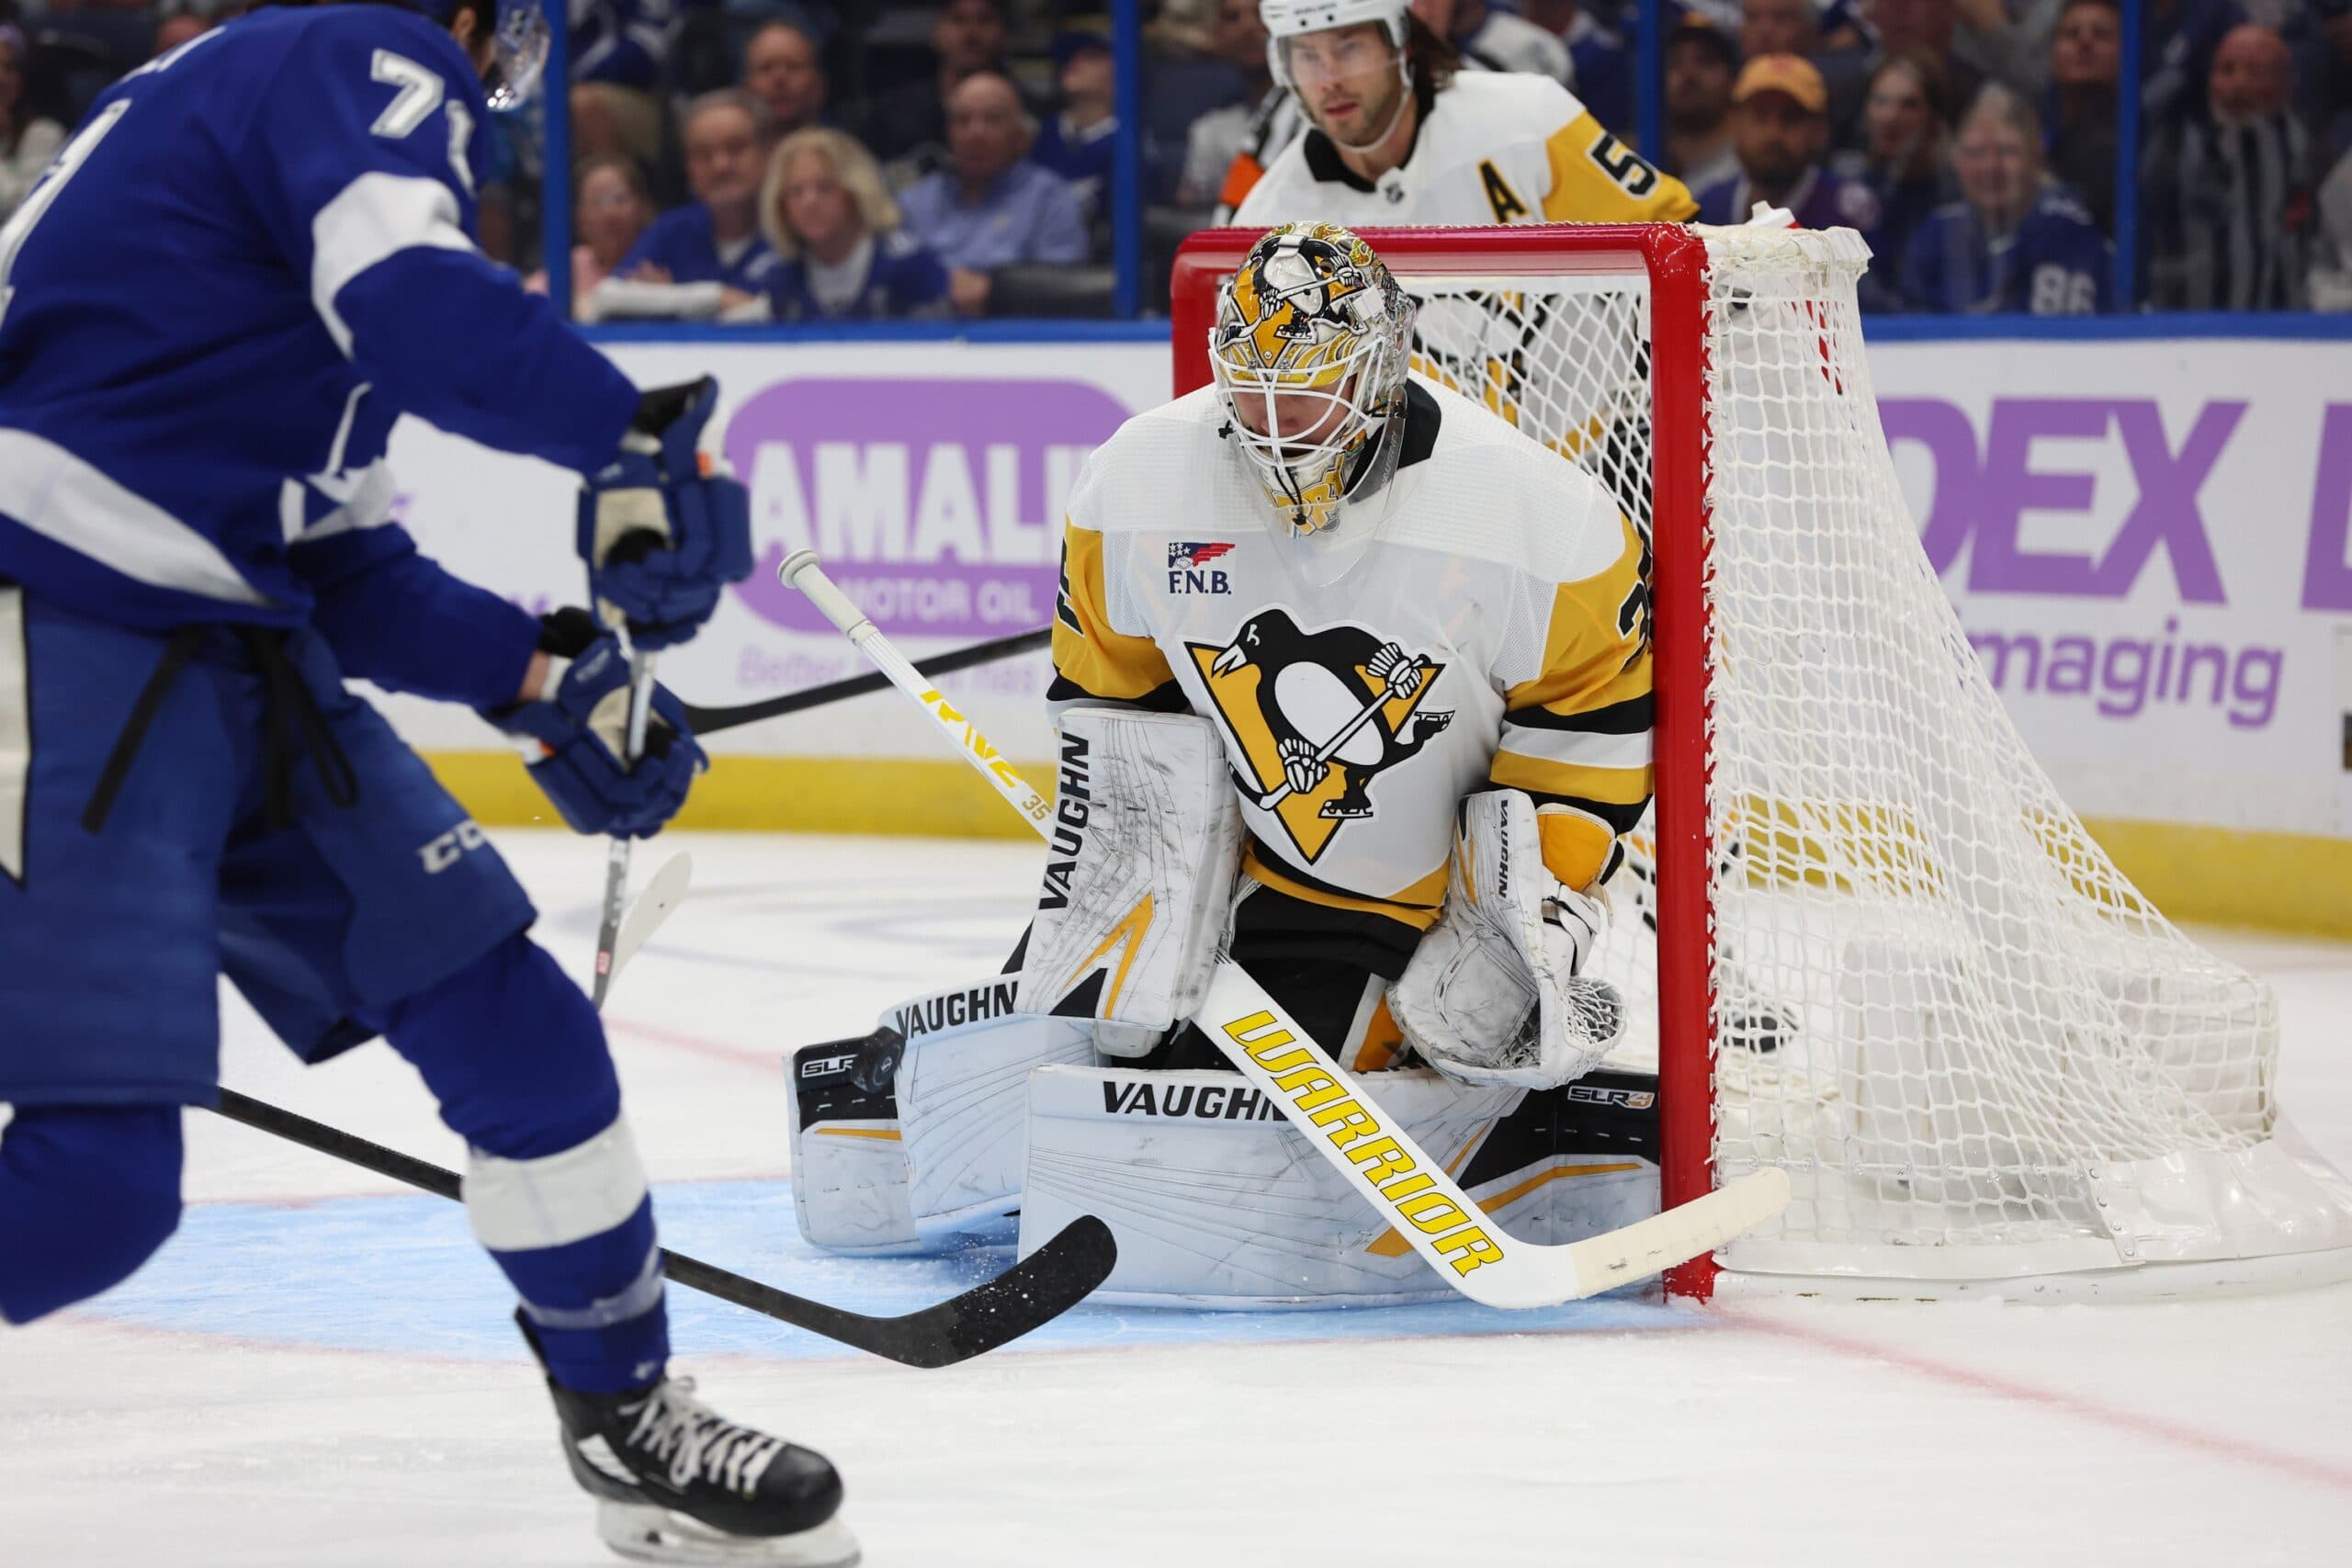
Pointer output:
x,y
661,533
574,737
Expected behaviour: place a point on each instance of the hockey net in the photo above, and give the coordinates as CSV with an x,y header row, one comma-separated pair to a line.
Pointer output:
x,y
1865,938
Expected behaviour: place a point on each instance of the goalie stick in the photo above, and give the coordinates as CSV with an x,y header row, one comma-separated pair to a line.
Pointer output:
x,y
1332,1113
1034,1291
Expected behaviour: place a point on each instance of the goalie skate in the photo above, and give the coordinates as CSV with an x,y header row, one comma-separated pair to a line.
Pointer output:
x,y
675,1481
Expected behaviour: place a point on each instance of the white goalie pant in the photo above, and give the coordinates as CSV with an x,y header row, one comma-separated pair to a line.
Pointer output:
x,y
1217,1201
905,1137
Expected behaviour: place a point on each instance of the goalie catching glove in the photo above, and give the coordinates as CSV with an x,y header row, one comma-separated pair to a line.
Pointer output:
x,y
575,735
663,533
1492,996
1140,872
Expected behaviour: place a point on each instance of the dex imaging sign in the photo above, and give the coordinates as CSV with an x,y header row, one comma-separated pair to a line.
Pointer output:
x,y
2147,544
936,504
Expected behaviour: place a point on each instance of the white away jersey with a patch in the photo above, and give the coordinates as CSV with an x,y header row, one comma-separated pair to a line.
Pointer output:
x,y
1492,630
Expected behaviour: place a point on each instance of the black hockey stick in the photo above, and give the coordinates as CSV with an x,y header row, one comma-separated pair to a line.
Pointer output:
x,y
1033,1292
710,721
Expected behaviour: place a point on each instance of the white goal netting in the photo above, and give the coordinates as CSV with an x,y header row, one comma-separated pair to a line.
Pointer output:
x,y
1938,1004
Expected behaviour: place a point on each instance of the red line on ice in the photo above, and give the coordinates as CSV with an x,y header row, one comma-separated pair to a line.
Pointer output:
x,y
2303,1467
698,1045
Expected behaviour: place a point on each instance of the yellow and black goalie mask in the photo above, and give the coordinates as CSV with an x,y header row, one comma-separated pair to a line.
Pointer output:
x,y
1308,352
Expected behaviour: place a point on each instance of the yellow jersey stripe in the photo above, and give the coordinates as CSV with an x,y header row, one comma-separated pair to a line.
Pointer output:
x,y
1596,179
1540,776
1088,652
1417,906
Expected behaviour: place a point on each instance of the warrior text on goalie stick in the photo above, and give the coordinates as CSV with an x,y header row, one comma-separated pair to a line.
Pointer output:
x,y
1342,1124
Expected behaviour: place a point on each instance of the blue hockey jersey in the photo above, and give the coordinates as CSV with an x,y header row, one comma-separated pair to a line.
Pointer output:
x,y
257,252
900,278
2056,263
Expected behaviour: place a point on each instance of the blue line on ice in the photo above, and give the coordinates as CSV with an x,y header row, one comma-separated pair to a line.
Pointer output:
x,y
401,1275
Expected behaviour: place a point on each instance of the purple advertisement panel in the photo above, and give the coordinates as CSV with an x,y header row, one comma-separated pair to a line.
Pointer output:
x,y
936,504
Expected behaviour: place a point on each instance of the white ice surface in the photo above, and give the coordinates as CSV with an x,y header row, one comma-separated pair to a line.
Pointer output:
x,y
316,1373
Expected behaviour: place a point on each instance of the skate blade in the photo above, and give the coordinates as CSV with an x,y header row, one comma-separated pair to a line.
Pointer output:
x,y
645,1533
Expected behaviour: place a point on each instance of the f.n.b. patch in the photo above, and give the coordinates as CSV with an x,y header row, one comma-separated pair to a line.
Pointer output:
x,y
1189,570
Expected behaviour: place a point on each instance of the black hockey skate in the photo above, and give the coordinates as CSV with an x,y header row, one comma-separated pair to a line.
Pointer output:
x,y
675,1481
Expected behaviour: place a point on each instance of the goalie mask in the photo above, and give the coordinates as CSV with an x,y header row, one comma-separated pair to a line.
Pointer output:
x,y
1309,352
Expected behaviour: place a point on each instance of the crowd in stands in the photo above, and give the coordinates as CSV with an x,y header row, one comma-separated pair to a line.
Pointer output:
x,y
855,160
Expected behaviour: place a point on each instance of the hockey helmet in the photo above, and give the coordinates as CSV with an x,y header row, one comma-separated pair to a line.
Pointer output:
x,y
518,41
1309,354
1286,20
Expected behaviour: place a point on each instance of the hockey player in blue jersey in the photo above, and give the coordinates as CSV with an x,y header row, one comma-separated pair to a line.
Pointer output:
x,y
2016,241
254,255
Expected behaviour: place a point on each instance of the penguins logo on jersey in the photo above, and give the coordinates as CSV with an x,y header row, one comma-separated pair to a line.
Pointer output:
x,y
1318,715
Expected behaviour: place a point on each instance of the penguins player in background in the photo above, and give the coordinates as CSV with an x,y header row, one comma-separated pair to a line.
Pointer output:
x,y
1351,681
1396,132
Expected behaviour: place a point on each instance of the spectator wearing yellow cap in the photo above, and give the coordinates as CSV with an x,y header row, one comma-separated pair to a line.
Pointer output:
x,y
1780,128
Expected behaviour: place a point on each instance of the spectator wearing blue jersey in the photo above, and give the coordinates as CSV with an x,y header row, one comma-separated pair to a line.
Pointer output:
x,y
26,142
708,257
1904,162
842,253
1780,128
991,207
619,48
2016,241
1078,142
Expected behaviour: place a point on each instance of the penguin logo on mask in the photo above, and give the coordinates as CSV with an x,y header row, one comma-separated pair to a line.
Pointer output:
x,y
1318,715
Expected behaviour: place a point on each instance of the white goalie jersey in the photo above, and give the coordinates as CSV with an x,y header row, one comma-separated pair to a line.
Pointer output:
x,y
1482,622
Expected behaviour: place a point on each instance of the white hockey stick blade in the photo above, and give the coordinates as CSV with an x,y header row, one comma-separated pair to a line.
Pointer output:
x,y
1338,1120
662,895
1683,1233
1421,1202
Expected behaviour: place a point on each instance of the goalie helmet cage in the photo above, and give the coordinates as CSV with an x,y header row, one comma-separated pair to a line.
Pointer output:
x,y
1873,946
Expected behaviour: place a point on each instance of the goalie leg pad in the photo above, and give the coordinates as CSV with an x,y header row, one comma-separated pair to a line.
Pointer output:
x,y
1216,1201
903,1137
1492,994
1140,872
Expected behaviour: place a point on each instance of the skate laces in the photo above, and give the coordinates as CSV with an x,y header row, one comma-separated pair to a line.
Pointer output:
x,y
692,1439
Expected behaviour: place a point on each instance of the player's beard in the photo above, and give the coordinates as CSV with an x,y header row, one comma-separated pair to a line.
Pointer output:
x,y
1375,120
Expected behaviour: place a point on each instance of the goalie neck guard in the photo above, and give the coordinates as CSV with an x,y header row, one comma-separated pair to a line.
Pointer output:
x,y
1309,354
